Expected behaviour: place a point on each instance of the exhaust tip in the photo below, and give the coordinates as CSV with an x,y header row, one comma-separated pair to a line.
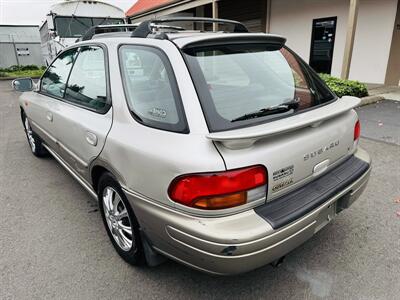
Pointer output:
x,y
277,263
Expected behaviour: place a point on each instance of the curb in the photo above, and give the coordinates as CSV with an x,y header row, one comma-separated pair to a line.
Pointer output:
x,y
370,99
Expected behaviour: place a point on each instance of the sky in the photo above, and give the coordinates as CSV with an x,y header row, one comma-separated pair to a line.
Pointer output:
x,y
33,12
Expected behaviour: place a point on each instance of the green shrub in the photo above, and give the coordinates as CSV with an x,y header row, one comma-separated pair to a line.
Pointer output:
x,y
16,68
343,87
13,68
22,71
29,67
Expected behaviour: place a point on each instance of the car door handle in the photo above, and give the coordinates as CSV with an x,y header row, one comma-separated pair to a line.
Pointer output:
x,y
91,138
49,116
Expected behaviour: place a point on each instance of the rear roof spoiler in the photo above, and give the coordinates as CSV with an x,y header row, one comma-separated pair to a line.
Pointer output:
x,y
246,137
276,41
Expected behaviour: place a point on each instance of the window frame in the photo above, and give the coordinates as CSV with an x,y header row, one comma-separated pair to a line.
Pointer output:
x,y
41,91
106,68
206,102
182,126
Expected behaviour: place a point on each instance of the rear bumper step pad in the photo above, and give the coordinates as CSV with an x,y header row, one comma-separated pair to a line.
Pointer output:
x,y
298,203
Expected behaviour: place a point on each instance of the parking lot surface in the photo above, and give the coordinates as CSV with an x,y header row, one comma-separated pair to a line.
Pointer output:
x,y
381,121
53,244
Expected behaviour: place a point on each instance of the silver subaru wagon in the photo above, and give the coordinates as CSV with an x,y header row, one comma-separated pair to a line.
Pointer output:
x,y
222,150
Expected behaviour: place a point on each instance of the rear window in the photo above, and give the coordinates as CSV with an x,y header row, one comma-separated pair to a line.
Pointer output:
x,y
236,82
151,89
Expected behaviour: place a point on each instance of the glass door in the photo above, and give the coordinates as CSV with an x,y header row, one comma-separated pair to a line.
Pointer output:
x,y
322,44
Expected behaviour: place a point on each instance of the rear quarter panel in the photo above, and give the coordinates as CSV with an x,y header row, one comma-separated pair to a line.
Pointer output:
x,y
148,159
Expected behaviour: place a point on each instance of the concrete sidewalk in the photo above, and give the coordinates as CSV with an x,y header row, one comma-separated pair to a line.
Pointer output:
x,y
386,91
379,92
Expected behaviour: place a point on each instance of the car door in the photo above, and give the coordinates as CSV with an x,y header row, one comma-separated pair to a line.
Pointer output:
x,y
38,105
83,118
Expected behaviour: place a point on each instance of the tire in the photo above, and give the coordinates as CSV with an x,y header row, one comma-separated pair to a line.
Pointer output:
x,y
120,230
34,141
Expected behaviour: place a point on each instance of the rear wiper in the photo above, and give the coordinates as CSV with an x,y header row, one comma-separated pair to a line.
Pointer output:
x,y
272,110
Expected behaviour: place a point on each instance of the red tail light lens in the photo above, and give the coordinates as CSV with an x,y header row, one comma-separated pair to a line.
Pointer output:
x,y
217,190
357,130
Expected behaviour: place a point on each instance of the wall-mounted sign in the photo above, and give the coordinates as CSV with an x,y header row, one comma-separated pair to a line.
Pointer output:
x,y
23,52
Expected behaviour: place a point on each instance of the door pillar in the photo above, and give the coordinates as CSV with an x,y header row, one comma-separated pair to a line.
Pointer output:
x,y
267,12
215,14
351,31
393,67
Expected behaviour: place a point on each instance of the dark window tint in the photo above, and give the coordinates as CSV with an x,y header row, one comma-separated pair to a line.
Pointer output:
x,y
87,82
235,82
72,26
55,78
106,21
77,26
151,89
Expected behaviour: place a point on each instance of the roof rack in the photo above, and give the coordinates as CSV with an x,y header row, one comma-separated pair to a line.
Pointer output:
x,y
145,28
100,29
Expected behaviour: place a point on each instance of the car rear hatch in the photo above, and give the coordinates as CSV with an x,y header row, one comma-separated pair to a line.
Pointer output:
x,y
294,150
264,105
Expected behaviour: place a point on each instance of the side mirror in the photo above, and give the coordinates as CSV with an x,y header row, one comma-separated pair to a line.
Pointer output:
x,y
50,22
23,84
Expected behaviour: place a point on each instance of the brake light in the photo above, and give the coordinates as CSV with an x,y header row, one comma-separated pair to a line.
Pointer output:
x,y
217,190
357,130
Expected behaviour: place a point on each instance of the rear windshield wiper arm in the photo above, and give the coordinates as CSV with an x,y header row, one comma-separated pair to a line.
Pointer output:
x,y
272,110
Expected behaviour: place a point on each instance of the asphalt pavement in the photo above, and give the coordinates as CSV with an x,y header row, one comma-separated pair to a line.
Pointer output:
x,y
53,244
381,121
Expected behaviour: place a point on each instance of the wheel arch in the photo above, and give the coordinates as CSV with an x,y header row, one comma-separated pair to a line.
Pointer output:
x,y
99,167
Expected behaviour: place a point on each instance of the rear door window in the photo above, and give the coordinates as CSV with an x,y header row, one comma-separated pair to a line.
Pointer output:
x,y
150,87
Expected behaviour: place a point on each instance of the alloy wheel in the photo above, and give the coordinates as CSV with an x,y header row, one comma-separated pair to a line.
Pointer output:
x,y
29,134
117,218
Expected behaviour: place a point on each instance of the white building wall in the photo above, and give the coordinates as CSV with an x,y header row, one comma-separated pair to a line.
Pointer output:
x,y
373,39
16,37
293,19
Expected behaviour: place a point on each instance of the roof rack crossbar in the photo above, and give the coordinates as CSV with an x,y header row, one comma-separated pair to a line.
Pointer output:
x,y
145,28
88,35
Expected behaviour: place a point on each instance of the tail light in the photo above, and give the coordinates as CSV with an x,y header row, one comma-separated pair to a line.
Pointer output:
x,y
357,130
218,190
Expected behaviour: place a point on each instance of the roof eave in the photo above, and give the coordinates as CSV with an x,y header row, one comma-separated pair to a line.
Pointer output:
x,y
153,9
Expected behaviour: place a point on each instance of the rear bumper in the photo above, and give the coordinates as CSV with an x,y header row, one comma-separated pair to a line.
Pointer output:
x,y
241,242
